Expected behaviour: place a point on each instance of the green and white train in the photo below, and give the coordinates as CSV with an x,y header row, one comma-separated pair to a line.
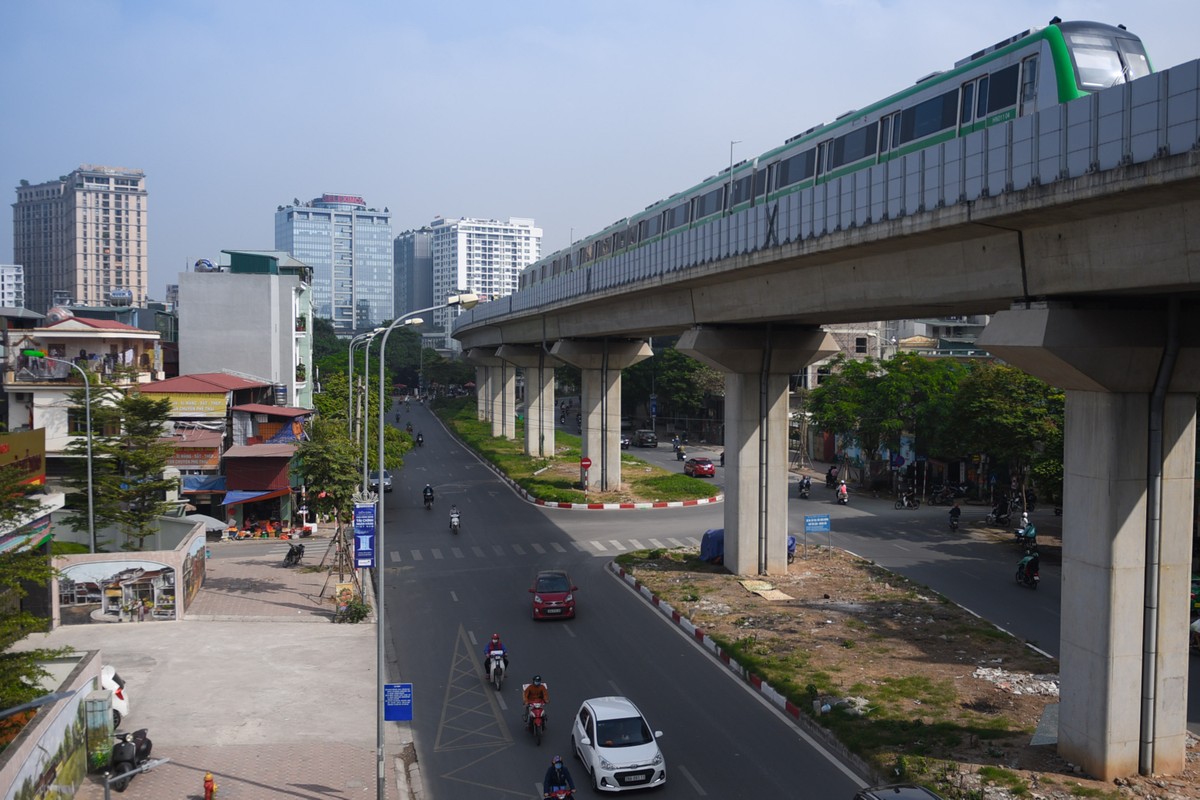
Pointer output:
x,y
1030,72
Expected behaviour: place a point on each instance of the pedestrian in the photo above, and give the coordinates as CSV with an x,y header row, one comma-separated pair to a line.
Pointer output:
x,y
210,786
141,611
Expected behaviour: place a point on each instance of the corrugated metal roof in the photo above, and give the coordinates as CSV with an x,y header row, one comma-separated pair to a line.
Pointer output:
x,y
277,411
261,451
211,382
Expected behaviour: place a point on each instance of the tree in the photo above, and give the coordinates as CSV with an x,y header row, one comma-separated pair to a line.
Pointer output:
x,y
839,404
128,461
21,675
1014,418
681,383
328,463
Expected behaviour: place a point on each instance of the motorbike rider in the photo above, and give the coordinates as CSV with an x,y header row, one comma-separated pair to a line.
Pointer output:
x,y
805,483
494,645
955,512
455,517
535,692
1032,562
557,777
427,494
843,492
420,439
831,476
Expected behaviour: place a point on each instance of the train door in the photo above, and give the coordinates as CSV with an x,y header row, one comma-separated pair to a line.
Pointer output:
x,y
1029,86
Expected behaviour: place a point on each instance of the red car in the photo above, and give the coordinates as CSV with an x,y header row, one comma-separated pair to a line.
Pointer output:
x,y
553,594
699,467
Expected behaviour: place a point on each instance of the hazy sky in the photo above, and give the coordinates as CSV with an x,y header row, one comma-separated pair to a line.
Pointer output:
x,y
571,112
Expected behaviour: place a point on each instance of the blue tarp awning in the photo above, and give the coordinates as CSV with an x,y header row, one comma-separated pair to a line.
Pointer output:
x,y
204,483
235,496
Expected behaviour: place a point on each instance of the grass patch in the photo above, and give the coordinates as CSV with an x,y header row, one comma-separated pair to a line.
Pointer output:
x,y
556,479
1006,778
58,548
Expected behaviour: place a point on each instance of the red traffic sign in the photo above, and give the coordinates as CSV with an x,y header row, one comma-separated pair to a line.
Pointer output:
x,y
585,462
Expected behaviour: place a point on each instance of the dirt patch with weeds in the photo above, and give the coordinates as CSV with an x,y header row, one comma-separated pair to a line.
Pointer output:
x,y
918,687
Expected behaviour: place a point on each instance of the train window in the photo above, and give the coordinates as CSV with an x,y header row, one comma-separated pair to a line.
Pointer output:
x,y
896,129
885,133
650,227
618,240
966,109
1134,56
981,97
741,190
710,203
760,182
1096,61
603,247
567,261
795,169
855,145
1002,93
677,216
631,234
1029,76
933,115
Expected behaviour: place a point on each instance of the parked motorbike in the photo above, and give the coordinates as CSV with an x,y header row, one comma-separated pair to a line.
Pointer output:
x,y
791,548
496,669
1027,568
908,500
294,554
131,751
536,724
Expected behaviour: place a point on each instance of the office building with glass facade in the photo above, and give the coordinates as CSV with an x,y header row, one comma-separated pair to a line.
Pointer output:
x,y
349,248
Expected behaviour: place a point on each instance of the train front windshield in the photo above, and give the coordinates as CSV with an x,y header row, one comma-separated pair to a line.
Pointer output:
x,y
1102,60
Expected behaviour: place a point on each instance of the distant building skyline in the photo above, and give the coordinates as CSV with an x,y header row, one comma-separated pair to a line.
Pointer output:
x,y
483,256
413,256
82,237
349,248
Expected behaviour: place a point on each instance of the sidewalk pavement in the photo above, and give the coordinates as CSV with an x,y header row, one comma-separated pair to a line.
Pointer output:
x,y
257,685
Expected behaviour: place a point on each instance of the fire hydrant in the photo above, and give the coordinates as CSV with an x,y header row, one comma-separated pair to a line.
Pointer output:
x,y
210,786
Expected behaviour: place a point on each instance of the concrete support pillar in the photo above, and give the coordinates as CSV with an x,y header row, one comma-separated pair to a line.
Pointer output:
x,y
482,394
601,362
497,391
757,363
1127,524
540,410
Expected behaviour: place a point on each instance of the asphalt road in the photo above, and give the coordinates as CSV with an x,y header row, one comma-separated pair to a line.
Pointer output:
x,y
446,594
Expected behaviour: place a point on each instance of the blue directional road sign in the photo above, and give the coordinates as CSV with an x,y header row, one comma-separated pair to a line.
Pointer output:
x,y
816,523
397,702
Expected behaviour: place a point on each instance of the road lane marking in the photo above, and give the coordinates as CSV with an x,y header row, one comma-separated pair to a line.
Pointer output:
x,y
498,550
658,544
478,551
695,784
558,548
598,546
579,547
537,548
636,544
675,542
454,596
394,555
437,553
458,553
519,550
416,554
617,545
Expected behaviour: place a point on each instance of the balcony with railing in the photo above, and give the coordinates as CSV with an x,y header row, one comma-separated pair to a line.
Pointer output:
x,y
23,368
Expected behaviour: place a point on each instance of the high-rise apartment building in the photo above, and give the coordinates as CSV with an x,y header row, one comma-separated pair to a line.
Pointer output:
x,y
483,256
82,238
349,248
12,286
413,253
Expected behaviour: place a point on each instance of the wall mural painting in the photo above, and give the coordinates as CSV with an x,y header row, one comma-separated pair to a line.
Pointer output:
x,y
117,591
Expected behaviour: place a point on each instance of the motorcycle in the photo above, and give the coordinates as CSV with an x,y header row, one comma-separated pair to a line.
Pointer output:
x,y
791,556
559,793
428,501
908,500
843,495
1027,568
1027,536
294,554
131,751
496,669
804,488
455,523
420,440
954,522
999,515
536,723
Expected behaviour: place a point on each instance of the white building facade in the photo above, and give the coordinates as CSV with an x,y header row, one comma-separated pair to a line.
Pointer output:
x,y
82,239
483,256
12,286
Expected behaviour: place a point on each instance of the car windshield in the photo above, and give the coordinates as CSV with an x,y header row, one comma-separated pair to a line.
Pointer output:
x,y
702,461
628,732
553,583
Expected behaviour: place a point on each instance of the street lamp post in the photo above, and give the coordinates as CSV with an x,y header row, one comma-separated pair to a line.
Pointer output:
x,y
367,394
465,301
87,395
354,342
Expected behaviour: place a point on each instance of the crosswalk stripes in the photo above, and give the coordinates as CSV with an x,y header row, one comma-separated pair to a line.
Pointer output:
x,y
591,547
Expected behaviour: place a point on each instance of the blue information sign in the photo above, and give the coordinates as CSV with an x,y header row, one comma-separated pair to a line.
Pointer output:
x,y
364,535
816,523
397,702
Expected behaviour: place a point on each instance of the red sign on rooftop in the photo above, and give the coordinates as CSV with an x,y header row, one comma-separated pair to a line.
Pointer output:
x,y
343,198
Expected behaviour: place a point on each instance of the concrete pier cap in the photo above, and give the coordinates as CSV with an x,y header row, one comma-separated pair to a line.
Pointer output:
x,y
741,349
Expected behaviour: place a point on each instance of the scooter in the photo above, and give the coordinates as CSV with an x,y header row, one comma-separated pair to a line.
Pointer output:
x,y
1027,568
954,522
536,724
294,554
843,495
131,751
428,502
791,548
559,793
420,440
908,500
804,488
455,523
999,515
1027,536
496,669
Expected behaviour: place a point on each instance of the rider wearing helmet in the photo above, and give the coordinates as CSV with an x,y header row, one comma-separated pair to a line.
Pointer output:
x,y
427,493
557,777
492,646
535,692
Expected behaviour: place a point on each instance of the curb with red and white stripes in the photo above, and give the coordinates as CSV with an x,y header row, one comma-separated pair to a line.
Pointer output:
x,y
755,681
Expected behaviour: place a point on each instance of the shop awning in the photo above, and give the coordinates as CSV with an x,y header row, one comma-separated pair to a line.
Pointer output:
x,y
235,496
